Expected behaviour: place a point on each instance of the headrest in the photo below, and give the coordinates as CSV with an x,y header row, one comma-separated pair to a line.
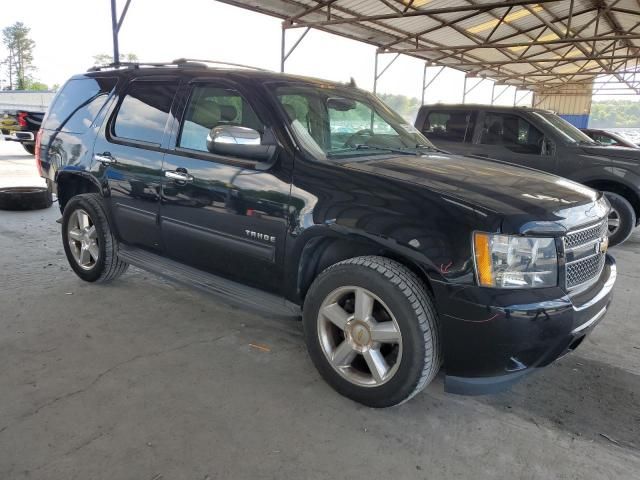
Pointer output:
x,y
228,113
495,128
208,116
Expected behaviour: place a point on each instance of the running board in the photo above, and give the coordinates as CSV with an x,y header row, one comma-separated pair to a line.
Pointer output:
x,y
227,290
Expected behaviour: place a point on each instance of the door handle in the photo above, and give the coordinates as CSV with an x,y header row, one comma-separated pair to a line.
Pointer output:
x,y
105,158
179,176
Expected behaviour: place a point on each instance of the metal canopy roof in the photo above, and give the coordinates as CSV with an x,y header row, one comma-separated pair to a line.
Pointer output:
x,y
541,45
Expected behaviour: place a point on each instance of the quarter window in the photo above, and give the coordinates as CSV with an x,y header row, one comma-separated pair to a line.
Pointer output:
x,y
512,132
450,126
144,112
210,107
78,103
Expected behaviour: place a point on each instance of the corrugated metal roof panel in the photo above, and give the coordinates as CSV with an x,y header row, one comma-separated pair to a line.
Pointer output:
x,y
466,24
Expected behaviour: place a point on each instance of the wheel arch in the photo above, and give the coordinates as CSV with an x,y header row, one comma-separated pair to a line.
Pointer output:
x,y
70,184
620,188
321,251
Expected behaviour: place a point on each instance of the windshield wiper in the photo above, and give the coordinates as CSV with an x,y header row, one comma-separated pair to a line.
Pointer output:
x,y
420,146
362,146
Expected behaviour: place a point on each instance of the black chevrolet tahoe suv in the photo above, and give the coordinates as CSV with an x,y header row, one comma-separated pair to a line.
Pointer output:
x,y
291,195
541,139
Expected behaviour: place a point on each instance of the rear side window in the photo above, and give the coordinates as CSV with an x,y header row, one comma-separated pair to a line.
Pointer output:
x,y
78,103
144,111
449,125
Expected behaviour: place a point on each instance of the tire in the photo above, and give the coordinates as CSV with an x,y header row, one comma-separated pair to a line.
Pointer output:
x,y
29,147
25,198
624,215
400,304
103,264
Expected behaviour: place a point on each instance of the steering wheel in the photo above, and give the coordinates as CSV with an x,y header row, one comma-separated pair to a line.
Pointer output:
x,y
360,133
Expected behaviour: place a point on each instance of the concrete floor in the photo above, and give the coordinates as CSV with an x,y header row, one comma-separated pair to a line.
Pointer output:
x,y
144,380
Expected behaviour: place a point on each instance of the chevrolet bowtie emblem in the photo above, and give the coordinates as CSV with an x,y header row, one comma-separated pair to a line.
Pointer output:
x,y
603,246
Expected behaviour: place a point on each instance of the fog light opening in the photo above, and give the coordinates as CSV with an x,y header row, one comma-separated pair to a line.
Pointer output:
x,y
576,342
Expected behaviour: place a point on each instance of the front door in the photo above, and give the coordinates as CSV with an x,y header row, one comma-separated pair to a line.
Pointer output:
x,y
512,138
223,214
129,148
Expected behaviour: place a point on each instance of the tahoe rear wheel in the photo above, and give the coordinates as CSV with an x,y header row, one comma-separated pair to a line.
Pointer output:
x,y
622,218
371,330
88,241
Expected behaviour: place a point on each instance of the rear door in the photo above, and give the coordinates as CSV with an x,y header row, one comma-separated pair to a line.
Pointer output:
x,y
512,138
229,216
450,129
129,151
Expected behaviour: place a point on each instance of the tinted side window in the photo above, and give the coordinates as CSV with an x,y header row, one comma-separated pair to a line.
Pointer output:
x,y
144,111
210,107
604,139
513,132
449,125
76,106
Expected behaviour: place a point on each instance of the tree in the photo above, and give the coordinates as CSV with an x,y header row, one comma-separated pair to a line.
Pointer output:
x,y
20,60
107,59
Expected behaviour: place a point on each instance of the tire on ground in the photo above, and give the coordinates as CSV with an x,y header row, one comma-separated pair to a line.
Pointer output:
x,y
627,217
109,266
29,147
25,198
411,305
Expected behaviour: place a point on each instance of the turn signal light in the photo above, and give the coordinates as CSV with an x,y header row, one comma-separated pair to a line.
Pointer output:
x,y
482,250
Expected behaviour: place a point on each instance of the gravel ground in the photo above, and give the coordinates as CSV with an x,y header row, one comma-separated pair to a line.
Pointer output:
x,y
144,380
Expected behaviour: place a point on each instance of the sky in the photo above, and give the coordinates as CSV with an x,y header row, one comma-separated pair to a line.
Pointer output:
x,y
68,33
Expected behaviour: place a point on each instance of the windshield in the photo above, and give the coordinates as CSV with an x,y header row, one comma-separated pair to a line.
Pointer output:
x,y
568,131
335,123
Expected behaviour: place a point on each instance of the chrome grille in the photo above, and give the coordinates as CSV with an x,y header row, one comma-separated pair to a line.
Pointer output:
x,y
584,270
585,235
585,261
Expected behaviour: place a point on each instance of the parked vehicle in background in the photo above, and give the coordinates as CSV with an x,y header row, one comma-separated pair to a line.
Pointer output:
x,y
542,140
293,195
609,139
21,126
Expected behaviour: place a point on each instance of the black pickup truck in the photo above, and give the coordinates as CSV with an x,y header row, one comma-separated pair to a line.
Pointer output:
x,y
540,139
21,126
290,195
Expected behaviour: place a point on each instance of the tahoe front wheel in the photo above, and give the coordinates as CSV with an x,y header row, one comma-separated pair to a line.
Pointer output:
x,y
371,330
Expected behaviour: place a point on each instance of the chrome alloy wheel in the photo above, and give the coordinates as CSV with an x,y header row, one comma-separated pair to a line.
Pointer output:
x,y
614,221
359,336
83,239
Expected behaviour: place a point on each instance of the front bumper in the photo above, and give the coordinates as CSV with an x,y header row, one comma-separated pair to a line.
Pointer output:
x,y
492,338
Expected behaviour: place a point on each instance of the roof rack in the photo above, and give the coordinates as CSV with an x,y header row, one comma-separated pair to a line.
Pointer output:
x,y
190,61
179,62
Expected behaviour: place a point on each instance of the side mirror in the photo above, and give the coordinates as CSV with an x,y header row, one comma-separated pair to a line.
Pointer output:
x,y
241,142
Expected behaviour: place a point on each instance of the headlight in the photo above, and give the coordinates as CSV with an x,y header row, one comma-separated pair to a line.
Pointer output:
x,y
506,261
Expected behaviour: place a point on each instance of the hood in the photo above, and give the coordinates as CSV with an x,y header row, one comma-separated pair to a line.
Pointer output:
x,y
522,196
626,153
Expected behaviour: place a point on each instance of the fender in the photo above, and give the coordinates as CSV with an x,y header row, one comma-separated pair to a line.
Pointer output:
x,y
320,246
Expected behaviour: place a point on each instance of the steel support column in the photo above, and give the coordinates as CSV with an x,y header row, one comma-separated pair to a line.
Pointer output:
x,y
116,24
377,75
283,55
426,85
